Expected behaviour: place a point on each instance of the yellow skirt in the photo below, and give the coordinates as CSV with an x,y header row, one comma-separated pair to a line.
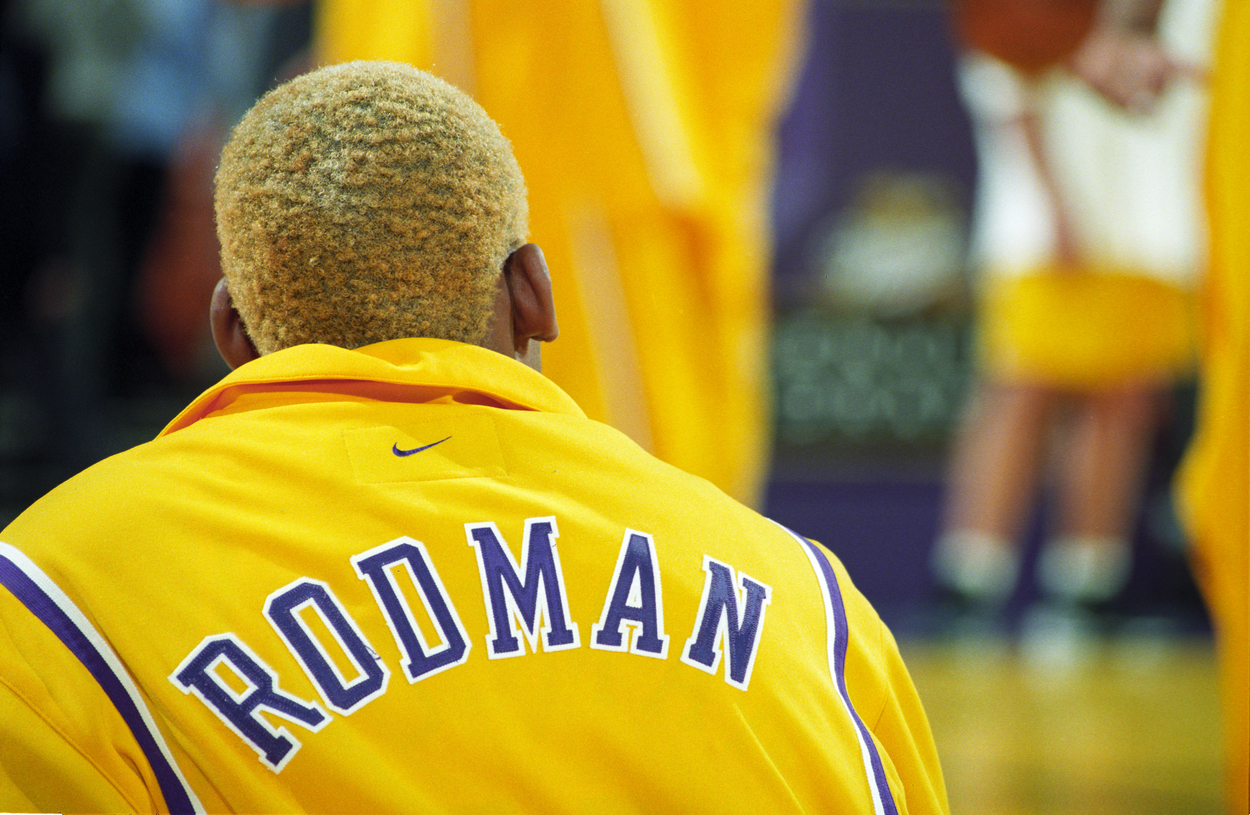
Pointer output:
x,y
1086,329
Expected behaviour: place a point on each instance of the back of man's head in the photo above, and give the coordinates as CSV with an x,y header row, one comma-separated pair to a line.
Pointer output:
x,y
365,202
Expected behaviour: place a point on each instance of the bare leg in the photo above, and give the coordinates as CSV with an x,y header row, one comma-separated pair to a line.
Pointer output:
x,y
1100,482
994,474
998,458
1100,474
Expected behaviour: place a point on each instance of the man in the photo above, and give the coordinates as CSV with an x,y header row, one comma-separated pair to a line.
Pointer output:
x,y
384,566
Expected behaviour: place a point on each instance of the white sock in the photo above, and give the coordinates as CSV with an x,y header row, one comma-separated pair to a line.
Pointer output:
x,y
1084,568
980,566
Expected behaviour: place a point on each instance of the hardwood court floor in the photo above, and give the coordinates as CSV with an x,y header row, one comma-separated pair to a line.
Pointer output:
x,y
1128,727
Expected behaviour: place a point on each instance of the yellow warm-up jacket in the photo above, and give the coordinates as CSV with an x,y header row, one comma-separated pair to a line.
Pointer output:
x,y
415,577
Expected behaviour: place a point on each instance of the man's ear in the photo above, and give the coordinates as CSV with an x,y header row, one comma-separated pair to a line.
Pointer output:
x,y
533,307
231,339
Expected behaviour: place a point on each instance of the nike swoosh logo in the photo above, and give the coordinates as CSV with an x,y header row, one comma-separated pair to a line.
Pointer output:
x,y
395,448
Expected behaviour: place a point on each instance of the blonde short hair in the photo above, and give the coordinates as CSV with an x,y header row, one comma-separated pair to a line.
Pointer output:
x,y
364,202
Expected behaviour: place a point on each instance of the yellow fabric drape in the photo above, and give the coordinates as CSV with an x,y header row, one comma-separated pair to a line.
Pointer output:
x,y
643,129
1214,486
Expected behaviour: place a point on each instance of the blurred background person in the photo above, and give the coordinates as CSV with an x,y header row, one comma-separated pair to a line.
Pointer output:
x,y
644,128
1088,236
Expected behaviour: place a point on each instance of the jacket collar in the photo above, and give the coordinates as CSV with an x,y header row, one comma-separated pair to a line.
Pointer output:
x,y
419,364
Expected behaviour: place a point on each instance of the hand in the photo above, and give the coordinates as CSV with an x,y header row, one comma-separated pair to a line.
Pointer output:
x,y
1128,68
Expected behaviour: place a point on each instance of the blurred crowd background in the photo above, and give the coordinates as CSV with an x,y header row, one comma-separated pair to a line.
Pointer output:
x,y
833,400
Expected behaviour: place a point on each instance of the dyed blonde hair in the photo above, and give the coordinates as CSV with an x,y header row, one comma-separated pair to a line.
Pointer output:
x,y
364,202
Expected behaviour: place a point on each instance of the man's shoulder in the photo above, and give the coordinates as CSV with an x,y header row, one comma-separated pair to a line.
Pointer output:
x,y
115,487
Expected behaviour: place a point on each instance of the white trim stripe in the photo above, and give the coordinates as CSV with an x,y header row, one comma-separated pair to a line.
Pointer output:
x,y
45,600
